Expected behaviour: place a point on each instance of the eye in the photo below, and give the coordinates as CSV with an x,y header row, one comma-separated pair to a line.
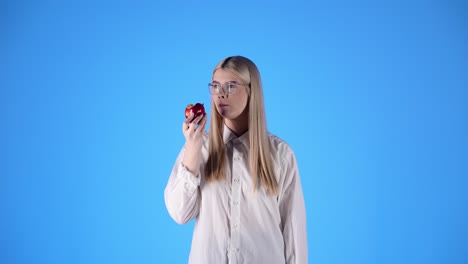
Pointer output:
x,y
215,86
231,85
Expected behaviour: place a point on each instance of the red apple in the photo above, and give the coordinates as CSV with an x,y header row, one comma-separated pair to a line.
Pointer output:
x,y
197,109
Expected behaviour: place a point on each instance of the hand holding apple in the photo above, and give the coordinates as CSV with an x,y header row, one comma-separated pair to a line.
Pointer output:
x,y
193,129
197,109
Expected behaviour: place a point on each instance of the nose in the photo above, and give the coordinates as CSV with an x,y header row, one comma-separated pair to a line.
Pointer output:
x,y
223,95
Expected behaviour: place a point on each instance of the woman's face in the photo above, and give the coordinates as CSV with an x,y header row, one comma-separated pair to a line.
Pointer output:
x,y
230,106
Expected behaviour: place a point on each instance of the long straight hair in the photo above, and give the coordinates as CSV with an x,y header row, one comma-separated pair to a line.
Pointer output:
x,y
260,156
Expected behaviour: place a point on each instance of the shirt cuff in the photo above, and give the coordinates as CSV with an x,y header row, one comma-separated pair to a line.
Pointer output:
x,y
192,181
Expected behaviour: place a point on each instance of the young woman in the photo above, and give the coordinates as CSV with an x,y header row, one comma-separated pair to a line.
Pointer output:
x,y
238,181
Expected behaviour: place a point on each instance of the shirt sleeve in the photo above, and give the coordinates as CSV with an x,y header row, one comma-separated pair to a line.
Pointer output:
x,y
182,192
293,214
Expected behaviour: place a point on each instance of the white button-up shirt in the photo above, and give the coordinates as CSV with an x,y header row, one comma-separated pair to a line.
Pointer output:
x,y
234,222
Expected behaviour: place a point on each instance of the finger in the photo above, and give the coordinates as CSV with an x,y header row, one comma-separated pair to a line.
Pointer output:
x,y
191,127
189,118
202,124
188,124
197,119
185,126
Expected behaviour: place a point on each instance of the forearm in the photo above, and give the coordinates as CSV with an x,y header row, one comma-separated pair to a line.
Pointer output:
x,y
182,194
293,215
295,236
191,159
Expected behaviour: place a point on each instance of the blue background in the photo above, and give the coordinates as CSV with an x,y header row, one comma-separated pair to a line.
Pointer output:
x,y
371,95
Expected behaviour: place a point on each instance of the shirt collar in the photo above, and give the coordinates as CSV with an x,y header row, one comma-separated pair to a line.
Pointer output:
x,y
228,136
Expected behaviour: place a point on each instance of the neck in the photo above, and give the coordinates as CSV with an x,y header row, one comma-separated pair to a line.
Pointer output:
x,y
238,126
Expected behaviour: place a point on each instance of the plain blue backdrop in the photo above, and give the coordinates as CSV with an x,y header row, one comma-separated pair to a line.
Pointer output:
x,y
371,95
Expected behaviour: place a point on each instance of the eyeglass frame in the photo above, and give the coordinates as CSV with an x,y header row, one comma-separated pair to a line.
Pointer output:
x,y
223,87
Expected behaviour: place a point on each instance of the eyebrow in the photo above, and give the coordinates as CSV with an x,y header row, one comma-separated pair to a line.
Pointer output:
x,y
214,81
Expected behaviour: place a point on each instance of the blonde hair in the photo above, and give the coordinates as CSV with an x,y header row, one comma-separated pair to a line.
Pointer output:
x,y
260,156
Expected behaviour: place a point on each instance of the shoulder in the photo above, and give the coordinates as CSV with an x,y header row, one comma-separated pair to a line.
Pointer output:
x,y
279,146
284,159
281,151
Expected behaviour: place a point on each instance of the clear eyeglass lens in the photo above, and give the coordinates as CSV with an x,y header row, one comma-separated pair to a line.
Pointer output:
x,y
217,88
231,87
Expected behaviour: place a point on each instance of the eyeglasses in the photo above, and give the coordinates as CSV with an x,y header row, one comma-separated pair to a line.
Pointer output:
x,y
227,88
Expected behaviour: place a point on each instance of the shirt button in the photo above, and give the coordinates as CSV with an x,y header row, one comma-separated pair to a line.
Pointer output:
x,y
236,202
236,180
236,225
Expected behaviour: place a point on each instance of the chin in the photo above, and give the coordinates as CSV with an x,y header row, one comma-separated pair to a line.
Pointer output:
x,y
223,112
226,114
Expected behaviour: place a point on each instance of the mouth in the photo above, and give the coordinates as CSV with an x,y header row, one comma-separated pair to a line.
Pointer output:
x,y
222,105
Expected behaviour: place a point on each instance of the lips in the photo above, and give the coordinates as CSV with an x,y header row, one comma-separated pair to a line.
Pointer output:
x,y
222,105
